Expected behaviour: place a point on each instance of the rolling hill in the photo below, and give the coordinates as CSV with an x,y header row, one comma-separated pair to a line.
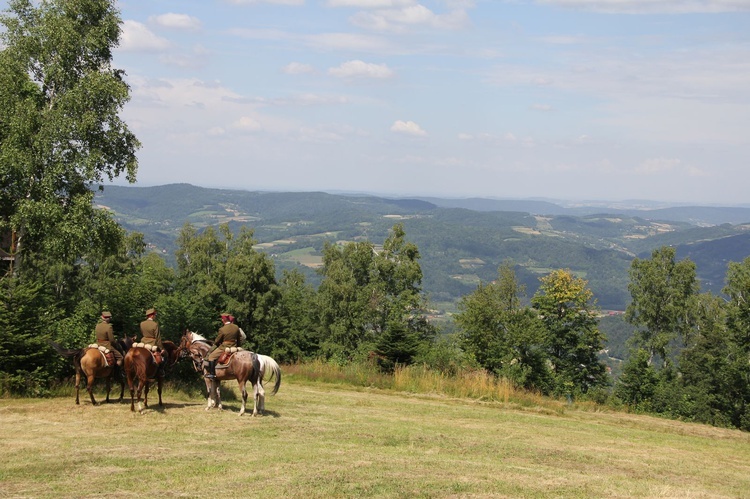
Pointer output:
x,y
462,242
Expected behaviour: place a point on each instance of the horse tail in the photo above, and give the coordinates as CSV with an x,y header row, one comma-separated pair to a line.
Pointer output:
x,y
277,373
68,353
270,366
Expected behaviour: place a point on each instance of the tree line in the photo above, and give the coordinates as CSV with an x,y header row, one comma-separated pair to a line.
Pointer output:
x,y
63,262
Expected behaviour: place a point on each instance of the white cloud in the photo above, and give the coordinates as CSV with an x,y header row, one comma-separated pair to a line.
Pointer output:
x,y
247,124
408,128
277,2
296,68
370,4
653,6
361,69
136,37
412,16
176,21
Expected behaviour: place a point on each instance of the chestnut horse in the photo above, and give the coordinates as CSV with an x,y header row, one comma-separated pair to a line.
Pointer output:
x,y
141,370
243,366
90,362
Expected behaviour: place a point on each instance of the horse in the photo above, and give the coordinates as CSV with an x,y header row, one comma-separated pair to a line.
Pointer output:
x,y
269,370
242,366
91,363
141,370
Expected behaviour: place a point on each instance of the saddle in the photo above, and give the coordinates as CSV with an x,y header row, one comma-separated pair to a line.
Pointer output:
x,y
151,348
227,354
109,356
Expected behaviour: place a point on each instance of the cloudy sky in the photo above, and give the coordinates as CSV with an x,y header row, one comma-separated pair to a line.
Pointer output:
x,y
564,99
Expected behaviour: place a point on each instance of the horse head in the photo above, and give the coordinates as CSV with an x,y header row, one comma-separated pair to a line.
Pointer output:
x,y
185,341
126,342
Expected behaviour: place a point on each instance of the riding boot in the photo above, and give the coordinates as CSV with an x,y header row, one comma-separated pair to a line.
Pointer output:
x,y
210,369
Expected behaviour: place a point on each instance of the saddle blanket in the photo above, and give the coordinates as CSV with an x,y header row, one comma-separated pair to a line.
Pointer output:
x,y
109,357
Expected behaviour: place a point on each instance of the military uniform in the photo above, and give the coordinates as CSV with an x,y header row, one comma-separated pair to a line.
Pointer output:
x,y
229,336
150,332
105,336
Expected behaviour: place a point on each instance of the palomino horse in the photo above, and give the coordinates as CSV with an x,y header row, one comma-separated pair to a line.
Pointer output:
x,y
91,363
242,366
141,370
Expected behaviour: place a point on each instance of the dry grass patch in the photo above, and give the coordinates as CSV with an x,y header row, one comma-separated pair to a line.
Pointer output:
x,y
327,440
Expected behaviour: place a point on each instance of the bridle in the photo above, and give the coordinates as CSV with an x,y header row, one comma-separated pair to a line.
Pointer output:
x,y
195,355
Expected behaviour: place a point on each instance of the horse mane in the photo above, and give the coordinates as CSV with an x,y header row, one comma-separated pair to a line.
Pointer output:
x,y
198,337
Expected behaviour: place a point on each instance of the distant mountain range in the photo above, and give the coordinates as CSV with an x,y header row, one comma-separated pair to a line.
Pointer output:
x,y
649,210
462,241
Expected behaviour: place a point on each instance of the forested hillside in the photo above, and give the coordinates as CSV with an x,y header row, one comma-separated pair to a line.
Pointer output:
x,y
460,247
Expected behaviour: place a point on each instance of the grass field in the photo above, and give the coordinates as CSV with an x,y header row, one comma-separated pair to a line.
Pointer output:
x,y
330,440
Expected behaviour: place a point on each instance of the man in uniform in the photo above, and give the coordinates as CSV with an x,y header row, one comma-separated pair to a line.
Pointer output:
x,y
229,336
105,336
150,332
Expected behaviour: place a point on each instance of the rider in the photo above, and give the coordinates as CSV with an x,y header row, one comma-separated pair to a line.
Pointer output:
x,y
151,334
229,336
105,336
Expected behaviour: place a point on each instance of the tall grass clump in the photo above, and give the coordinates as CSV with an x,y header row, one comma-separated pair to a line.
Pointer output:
x,y
475,384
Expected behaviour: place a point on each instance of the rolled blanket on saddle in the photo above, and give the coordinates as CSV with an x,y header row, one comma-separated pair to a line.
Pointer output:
x,y
227,353
151,348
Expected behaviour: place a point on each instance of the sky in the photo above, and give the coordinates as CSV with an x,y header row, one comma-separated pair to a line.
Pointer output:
x,y
559,99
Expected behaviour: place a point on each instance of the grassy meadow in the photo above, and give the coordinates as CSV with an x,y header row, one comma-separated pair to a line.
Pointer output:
x,y
408,435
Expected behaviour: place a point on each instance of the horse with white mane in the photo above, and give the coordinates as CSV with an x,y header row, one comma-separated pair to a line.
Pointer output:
x,y
243,366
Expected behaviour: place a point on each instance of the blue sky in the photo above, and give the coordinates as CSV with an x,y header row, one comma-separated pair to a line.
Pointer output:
x,y
564,99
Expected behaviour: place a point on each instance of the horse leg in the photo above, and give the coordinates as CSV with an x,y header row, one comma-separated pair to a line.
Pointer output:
x,y
78,384
209,395
109,388
90,386
260,395
256,397
244,396
159,381
132,392
140,392
145,394
218,394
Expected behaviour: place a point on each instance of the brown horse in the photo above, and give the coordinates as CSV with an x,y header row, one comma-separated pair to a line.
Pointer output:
x,y
91,363
141,370
242,366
